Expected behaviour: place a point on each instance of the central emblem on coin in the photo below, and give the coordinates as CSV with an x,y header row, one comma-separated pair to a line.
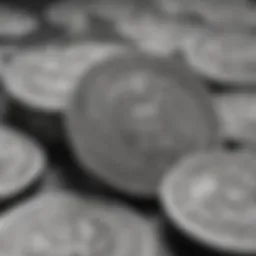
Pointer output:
x,y
87,237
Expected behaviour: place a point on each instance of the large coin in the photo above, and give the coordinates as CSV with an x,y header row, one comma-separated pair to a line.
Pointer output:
x,y
134,115
211,197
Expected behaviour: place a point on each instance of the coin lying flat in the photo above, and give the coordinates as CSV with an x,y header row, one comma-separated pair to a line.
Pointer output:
x,y
72,16
237,116
226,57
16,22
43,77
40,81
154,34
133,115
65,224
22,162
211,197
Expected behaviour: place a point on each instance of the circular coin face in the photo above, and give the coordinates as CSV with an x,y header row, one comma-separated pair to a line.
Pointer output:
x,y
16,22
226,57
64,224
134,115
237,116
69,14
45,77
211,196
21,161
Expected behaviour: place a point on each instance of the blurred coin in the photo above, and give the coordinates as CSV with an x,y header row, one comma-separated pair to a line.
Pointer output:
x,y
156,35
133,115
210,197
40,81
22,162
225,57
62,223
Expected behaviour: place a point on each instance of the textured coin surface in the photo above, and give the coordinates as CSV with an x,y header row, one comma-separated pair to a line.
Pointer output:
x,y
65,224
228,57
211,196
45,77
134,115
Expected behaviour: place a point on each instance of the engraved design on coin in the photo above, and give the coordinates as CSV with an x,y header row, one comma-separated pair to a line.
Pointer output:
x,y
212,196
81,237
128,104
64,224
47,76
